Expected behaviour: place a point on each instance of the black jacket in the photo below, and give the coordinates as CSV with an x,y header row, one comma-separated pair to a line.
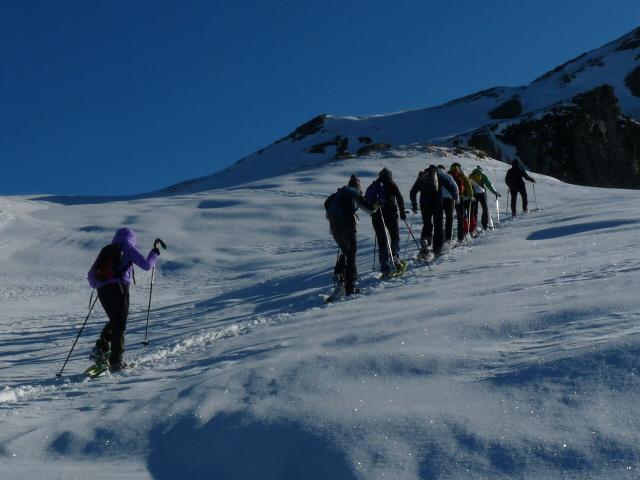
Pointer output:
x,y
515,177
394,199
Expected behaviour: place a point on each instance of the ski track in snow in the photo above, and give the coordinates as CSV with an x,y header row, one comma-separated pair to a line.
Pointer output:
x,y
515,356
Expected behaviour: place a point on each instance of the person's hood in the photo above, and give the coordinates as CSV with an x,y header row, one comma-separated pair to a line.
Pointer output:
x,y
124,235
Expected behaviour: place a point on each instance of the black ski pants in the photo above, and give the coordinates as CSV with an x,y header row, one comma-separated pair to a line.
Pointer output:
x,y
522,190
447,207
392,241
481,198
432,224
115,301
344,234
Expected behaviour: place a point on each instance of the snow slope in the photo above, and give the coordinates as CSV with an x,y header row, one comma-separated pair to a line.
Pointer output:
x,y
515,357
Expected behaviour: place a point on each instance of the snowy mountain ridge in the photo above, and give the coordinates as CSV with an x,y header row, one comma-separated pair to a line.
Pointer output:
x,y
326,137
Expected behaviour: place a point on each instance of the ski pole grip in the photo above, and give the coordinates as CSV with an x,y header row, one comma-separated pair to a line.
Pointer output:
x,y
162,244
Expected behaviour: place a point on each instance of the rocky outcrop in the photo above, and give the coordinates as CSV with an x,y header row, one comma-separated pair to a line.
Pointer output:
x,y
630,42
510,109
373,147
632,81
483,141
309,128
340,143
587,142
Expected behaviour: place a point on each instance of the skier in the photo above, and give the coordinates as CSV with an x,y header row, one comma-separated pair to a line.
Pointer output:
x,y
514,179
480,183
448,201
428,184
341,208
111,275
386,194
465,190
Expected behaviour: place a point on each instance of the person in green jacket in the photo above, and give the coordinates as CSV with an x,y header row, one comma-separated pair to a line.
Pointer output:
x,y
481,185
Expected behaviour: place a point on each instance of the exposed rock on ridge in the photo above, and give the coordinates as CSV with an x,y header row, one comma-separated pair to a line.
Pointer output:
x,y
587,142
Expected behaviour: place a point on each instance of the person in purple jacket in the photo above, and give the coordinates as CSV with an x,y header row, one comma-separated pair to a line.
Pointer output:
x,y
114,295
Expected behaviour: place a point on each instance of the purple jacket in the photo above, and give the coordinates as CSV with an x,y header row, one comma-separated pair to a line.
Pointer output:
x,y
130,254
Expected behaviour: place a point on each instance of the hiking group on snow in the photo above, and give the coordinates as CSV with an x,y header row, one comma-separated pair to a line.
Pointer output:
x,y
440,193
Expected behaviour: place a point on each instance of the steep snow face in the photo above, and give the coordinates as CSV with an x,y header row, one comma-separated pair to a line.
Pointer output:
x,y
516,356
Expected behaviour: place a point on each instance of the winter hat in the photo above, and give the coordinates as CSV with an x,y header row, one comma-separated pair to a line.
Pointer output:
x,y
124,235
354,182
440,167
479,168
515,162
385,174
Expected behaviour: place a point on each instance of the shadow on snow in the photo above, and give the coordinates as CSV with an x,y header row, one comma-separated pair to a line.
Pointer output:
x,y
575,229
237,446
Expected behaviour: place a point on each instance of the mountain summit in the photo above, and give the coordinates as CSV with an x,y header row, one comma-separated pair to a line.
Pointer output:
x,y
577,122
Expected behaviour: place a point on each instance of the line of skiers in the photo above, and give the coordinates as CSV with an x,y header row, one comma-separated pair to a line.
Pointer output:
x,y
440,193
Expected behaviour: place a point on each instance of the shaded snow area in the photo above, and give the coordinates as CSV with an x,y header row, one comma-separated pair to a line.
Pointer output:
x,y
516,356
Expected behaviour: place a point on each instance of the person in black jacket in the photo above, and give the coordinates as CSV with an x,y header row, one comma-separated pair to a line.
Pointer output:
x,y
514,179
386,194
428,184
341,208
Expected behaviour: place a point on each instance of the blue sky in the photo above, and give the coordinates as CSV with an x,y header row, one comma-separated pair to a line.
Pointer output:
x,y
118,97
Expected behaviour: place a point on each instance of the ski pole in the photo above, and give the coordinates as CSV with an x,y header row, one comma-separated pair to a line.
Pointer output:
x,y
153,274
386,234
498,209
491,226
468,215
146,328
506,208
534,194
417,243
375,247
78,336
406,244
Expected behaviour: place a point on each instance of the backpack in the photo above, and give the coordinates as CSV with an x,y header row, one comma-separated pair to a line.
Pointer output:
x,y
429,181
375,194
339,204
107,264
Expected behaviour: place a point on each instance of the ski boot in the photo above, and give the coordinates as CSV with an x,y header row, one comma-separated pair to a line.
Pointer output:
x,y
99,355
117,366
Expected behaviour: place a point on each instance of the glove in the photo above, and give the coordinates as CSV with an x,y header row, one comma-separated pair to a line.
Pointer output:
x,y
159,241
498,195
533,180
156,251
403,216
414,209
457,201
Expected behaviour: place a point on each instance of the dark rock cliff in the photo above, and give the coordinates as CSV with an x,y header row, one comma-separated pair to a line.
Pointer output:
x,y
587,142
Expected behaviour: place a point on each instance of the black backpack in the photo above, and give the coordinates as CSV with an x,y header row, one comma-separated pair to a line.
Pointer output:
x,y
339,204
107,264
376,194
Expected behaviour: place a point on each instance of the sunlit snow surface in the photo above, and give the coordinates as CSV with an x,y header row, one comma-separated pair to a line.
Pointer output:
x,y
515,357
